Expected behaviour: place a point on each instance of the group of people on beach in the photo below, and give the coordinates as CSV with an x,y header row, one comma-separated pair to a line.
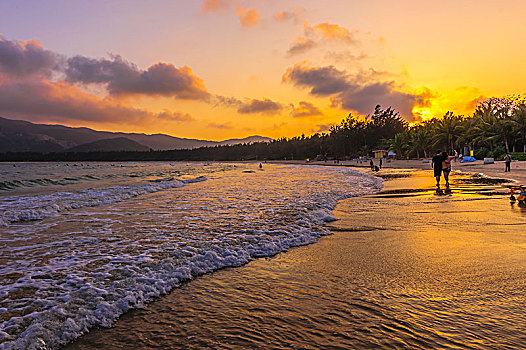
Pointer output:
x,y
375,167
441,164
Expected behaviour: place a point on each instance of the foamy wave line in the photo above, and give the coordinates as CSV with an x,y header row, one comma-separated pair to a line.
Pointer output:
x,y
44,206
145,277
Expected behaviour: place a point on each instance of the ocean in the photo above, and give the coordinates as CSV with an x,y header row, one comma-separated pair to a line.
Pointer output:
x,y
83,243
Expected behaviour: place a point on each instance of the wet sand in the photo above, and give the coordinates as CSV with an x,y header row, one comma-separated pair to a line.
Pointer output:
x,y
404,269
496,170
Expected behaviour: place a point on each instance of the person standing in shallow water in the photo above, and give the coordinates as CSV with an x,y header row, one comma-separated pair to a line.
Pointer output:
x,y
436,164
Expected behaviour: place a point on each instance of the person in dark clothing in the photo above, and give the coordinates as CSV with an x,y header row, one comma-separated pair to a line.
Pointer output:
x,y
507,159
436,164
380,163
371,164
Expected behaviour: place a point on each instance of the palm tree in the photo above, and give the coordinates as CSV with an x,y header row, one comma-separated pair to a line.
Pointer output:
x,y
447,130
493,122
519,123
483,131
400,143
419,140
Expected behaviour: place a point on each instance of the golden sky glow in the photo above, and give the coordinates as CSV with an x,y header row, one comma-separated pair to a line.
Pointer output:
x,y
220,69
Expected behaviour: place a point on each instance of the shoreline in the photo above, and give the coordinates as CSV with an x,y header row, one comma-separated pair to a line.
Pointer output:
x,y
495,170
390,275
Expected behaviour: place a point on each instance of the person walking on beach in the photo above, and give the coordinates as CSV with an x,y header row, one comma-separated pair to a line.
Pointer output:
x,y
507,160
446,166
436,164
371,164
380,163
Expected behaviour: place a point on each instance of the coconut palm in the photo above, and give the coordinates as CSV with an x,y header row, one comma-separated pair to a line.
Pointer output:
x,y
419,140
400,144
519,123
483,131
447,131
493,122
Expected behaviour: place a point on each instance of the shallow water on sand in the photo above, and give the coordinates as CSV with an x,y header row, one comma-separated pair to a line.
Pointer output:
x,y
404,269
95,240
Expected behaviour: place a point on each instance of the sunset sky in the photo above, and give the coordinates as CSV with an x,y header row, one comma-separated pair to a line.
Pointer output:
x,y
220,69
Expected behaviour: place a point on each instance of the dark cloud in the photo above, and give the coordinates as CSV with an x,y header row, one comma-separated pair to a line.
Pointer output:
x,y
43,100
22,58
174,116
264,106
360,93
218,100
122,77
260,106
305,109
227,126
321,80
346,57
364,99
300,45
294,15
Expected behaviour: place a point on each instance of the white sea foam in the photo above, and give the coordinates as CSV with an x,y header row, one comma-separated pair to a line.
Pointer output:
x,y
40,207
69,274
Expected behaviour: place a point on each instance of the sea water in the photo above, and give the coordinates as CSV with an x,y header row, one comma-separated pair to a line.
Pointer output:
x,y
82,243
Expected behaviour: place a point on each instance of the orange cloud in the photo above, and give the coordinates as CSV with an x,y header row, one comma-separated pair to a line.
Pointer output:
x,y
248,17
318,34
213,5
330,31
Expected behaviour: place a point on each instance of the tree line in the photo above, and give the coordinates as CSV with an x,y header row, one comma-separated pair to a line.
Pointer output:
x,y
497,126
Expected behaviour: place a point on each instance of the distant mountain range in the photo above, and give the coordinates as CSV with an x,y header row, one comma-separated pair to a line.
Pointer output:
x,y
23,136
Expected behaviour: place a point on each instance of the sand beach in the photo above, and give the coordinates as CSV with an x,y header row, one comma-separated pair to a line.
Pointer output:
x,y
404,268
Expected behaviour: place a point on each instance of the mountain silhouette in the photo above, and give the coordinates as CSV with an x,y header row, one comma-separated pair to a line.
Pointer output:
x,y
24,136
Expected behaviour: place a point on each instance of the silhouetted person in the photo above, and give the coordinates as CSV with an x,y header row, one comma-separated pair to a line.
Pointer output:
x,y
436,164
371,164
507,160
380,163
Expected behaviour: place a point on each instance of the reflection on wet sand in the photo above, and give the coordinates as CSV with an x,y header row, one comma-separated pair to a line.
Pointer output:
x,y
411,271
